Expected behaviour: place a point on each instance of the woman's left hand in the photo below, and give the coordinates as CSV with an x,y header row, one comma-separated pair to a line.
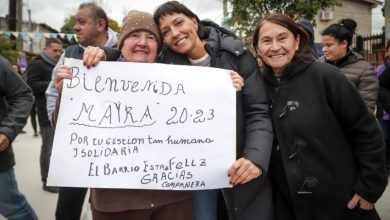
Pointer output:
x,y
358,200
238,81
243,171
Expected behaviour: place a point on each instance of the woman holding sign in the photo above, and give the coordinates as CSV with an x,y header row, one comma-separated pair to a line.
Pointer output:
x,y
189,41
138,42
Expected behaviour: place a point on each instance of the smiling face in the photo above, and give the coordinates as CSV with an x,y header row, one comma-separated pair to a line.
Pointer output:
x,y
276,46
333,49
140,46
180,34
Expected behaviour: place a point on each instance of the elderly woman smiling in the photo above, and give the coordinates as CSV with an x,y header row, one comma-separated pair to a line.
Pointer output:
x,y
138,42
328,155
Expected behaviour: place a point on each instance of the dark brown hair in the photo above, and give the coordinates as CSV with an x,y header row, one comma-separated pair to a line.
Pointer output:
x,y
51,40
305,51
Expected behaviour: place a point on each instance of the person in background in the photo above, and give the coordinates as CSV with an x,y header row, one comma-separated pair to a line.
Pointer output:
x,y
308,27
91,29
22,61
337,40
328,158
39,73
33,120
383,72
192,42
15,103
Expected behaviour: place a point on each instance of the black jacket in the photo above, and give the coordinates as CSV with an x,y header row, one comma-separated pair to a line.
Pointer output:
x,y
39,74
254,131
328,145
15,104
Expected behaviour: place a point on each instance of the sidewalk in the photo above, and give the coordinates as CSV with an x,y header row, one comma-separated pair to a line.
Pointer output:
x,y
27,148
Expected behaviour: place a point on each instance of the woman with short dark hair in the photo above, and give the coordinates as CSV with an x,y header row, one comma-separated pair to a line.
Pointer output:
x,y
189,41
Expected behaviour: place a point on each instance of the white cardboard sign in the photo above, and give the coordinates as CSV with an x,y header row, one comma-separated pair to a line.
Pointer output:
x,y
144,126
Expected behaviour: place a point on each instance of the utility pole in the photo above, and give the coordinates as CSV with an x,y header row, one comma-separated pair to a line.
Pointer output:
x,y
225,18
11,17
225,8
19,13
30,28
19,23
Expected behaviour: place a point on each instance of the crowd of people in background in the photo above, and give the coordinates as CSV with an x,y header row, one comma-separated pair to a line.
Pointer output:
x,y
312,130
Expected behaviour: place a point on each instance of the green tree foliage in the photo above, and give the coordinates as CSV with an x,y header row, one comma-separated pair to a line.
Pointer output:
x,y
8,49
113,25
247,12
68,26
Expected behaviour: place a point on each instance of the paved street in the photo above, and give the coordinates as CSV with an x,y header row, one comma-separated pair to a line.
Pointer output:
x,y
27,149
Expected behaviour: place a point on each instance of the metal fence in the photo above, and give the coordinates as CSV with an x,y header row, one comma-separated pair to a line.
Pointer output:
x,y
371,47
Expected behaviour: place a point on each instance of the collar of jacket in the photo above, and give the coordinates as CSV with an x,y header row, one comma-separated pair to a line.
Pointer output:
x,y
112,40
295,68
350,57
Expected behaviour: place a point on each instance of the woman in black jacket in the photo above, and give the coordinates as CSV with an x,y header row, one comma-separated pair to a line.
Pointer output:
x,y
328,158
192,42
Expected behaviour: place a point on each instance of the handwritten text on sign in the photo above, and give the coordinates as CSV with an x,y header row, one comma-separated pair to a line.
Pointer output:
x,y
144,126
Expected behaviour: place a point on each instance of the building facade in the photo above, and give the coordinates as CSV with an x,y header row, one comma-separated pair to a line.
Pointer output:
x,y
359,10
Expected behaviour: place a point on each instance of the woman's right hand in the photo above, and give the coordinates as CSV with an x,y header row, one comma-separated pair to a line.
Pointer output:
x,y
92,56
62,72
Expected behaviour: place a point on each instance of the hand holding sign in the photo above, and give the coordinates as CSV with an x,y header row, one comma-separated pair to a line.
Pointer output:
x,y
61,72
144,126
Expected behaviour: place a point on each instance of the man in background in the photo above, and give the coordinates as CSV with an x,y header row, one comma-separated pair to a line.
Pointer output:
x,y
39,73
91,29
